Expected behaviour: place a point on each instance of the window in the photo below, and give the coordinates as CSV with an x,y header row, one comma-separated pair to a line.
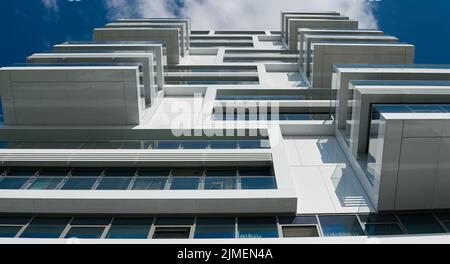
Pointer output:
x,y
343,225
44,183
220,183
16,178
88,227
185,179
10,226
420,223
116,179
171,233
42,227
215,228
82,179
445,220
172,228
300,231
258,183
130,228
381,225
262,227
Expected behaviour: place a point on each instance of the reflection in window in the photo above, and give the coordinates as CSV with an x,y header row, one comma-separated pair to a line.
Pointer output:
x,y
130,228
263,227
420,223
215,228
300,231
344,225
42,227
171,232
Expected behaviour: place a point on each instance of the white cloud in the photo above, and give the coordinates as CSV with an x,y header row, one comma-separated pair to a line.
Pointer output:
x,y
239,14
51,4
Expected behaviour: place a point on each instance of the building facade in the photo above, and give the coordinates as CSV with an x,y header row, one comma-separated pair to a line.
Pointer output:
x,y
320,132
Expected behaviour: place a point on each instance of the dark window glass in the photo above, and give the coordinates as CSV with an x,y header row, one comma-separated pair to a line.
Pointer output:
x,y
187,172
56,172
10,220
154,172
215,228
420,223
91,221
194,145
344,225
255,172
130,228
120,172
297,220
171,232
300,231
168,145
21,172
378,218
85,232
12,183
217,144
149,183
443,216
9,231
87,172
221,172
258,183
223,183
174,221
114,184
261,227
45,183
383,229
45,228
184,183
75,183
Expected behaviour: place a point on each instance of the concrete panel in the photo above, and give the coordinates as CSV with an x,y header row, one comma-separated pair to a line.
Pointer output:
x,y
417,172
169,37
328,54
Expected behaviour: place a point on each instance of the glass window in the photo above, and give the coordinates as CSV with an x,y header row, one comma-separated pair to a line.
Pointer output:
x,y
87,172
130,228
12,183
168,145
91,221
79,183
174,221
420,223
217,144
297,220
42,183
154,172
184,183
42,227
8,220
114,183
262,227
149,183
187,172
255,172
383,229
194,144
220,183
85,232
54,172
9,231
21,172
172,232
221,172
215,228
300,231
125,172
258,183
343,225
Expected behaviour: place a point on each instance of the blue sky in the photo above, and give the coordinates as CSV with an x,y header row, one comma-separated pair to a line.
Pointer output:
x,y
30,26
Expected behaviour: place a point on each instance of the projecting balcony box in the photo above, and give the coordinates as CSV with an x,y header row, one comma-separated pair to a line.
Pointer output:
x,y
309,40
72,95
182,25
170,37
336,22
284,18
326,54
146,59
354,32
153,47
399,152
344,73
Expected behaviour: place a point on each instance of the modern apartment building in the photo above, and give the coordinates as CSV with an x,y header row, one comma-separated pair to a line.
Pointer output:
x,y
319,132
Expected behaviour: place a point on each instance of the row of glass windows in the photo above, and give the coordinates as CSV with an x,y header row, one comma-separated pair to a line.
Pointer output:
x,y
142,144
281,117
149,227
137,179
